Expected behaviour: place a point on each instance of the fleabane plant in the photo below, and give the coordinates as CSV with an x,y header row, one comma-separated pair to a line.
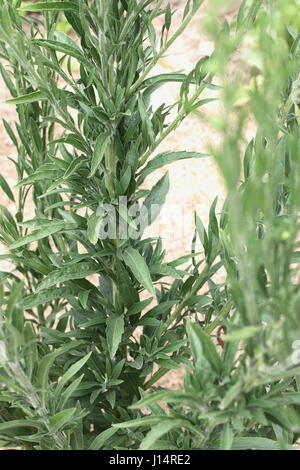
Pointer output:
x,y
92,315
86,139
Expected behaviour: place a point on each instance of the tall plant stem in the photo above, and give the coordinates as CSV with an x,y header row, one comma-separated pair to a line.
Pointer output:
x,y
162,51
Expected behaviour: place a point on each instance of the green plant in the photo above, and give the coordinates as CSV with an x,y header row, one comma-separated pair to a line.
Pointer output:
x,y
91,306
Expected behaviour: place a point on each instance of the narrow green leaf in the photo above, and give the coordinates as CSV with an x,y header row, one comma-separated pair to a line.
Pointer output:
x,y
93,226
226,438
158,431
168,396
165,159
72,139
114,331
198,300
168,16
71,372
39,234
231,394
201,231
183,259
47,295
161,308
68,392
68,273
6,188
99,151
49,6
63,48
128,292
18,423
166,270
73,167
242,333
60,419
102,438
8,82
202,342
42,374
39,176
134,423
10,133
139,268
156,198
138,307
254,443
29,98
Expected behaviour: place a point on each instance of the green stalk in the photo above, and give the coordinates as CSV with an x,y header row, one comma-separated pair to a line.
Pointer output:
x,y
217,321
169,43
110,164
155,377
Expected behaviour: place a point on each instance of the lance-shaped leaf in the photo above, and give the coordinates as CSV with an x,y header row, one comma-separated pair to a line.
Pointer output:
x,y
42,374
40,176
48,6
99,151
68,273
231,394
164,78
128,293
102,438
63,48
138,422
71,372
139,268
41,233
202,344
256,443
4,185
28,98
73,167
242,334
48,295
114,331
18,423
159,430
166,270
167,396
72,139
156,198
165,159
93,227
60,419
153,83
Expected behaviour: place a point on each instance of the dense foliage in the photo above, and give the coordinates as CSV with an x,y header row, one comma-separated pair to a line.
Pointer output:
x,y
92,315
